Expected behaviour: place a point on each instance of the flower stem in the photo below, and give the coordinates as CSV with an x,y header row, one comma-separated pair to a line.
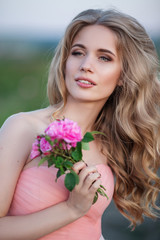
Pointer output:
x,y
63,155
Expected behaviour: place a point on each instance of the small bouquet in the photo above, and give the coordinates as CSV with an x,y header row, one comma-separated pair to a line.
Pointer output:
x,y
61,145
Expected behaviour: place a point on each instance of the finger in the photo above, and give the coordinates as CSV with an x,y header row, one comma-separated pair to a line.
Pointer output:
x,y
77,167
95,185
90,179
85,172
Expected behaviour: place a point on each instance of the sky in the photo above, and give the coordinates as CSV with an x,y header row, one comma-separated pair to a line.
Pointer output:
x,y
46,18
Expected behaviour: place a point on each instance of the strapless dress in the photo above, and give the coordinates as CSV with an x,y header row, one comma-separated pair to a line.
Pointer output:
x,y
36,190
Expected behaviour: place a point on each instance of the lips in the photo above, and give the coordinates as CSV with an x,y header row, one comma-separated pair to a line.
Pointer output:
x,y
86,81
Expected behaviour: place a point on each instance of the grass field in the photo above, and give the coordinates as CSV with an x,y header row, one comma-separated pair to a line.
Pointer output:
x,y
23,84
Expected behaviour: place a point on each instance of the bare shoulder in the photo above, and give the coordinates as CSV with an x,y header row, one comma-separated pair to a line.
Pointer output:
x,y
19,132
29,123
17,122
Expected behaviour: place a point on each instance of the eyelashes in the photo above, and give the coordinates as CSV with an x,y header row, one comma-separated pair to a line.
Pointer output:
x,y
101,57
105,59
76,53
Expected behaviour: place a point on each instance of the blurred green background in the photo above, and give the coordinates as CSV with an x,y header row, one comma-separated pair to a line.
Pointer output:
x,y
23,75
24,69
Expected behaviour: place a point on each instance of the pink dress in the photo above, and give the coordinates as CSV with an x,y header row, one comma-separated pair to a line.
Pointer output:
x,y
36,190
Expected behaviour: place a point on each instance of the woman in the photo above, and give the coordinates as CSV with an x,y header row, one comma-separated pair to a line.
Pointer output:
x,y
103,76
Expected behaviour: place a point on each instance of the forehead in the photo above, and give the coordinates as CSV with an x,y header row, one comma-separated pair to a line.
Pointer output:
x,y
96,35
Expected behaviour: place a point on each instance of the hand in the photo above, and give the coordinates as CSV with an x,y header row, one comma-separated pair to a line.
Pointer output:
x,y
81,198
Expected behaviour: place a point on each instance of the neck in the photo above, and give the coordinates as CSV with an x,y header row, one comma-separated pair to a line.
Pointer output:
x,y
84,113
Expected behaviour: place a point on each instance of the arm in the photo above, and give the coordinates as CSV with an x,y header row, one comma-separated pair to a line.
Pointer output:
x,y
36,225
16,138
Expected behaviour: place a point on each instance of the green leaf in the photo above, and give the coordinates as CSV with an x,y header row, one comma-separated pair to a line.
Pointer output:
x,y
59,161
102,193
43,160
88,137
85,145
67,164
76,176
60,172
97,132
102,187
77,153
70,181
95,198
51,161
76,156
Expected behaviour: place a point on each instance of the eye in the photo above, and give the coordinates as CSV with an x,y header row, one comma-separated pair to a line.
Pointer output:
x,y
105,59
77,53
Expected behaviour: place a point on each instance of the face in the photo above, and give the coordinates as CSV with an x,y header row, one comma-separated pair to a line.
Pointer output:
x,y
93,67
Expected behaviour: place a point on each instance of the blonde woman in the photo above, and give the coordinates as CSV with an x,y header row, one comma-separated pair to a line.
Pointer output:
x,y
104,77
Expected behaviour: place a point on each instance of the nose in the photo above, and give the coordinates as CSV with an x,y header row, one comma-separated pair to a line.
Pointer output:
x,y
86,65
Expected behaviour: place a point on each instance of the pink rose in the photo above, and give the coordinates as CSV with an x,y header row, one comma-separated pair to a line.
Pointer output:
x,y
66,130
71,131
35,150
44,145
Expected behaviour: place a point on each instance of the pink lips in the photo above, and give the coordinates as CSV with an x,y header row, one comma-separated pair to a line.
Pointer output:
x,y
83,84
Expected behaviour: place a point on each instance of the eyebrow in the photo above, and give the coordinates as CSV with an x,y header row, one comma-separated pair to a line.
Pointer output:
x,y
99,50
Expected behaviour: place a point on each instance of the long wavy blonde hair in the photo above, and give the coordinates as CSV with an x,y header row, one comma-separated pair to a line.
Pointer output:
x,y
131,116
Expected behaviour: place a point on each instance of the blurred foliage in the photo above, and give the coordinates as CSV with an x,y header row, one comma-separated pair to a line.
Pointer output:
x,y
23,82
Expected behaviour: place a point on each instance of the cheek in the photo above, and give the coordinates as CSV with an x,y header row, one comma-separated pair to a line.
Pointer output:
x,y
68,69
112,77
117,74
